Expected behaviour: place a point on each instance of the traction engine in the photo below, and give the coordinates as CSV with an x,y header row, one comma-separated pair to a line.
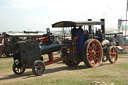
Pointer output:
x,y
27,54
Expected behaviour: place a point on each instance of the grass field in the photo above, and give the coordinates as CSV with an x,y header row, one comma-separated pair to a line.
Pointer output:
x,y
60,74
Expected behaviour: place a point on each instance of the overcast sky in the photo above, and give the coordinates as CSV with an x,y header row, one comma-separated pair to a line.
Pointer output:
x,y
20,15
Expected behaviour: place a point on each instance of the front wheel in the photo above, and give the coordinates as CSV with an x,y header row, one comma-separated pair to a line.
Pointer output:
x,y
113,54
38,68
18,70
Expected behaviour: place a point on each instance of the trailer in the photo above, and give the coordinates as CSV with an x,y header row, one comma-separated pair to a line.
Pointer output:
x,y
94,50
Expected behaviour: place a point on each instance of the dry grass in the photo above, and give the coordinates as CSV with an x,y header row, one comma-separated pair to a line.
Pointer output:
x,y
60,74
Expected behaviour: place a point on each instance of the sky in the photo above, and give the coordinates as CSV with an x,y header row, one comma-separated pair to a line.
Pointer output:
x,y
20,15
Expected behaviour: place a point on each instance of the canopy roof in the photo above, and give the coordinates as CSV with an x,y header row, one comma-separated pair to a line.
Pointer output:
x,y
76,23
113,33
25,34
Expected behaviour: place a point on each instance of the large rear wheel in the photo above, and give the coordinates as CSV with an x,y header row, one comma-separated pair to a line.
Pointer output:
x,y
92,53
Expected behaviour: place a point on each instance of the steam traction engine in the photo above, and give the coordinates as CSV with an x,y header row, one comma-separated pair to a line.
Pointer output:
x,y
27,54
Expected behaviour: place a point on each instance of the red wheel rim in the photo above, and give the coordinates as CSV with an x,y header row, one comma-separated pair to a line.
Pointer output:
x,y
113,54
94,53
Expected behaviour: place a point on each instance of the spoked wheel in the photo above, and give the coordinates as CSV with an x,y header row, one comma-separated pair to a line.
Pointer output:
x,y
70,62
18,69
113,54
38,68
92,53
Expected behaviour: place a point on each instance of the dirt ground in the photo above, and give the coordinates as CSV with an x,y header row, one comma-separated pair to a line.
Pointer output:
x,y
7,77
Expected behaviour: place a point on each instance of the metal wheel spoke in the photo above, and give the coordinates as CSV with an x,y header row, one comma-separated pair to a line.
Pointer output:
x,y
114,53
97,51
95,47
96,55
91,45
113,50
90,48
89,55
89,51
96,58
113,56
91,58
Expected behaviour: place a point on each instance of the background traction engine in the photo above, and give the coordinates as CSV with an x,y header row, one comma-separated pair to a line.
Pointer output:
x,y
109,52
27,54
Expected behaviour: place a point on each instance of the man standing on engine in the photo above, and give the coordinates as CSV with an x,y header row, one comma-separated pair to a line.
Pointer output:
x,y
80,39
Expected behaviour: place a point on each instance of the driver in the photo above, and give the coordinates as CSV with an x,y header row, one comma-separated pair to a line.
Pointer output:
x,y
80,39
